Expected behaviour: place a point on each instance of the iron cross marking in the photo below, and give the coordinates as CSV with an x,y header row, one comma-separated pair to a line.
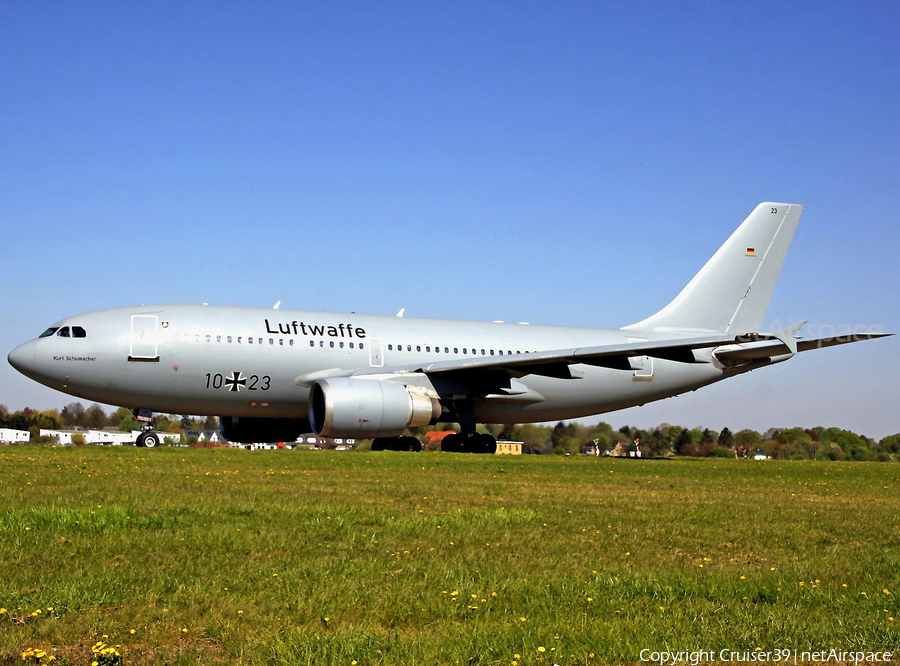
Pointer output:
x,y
235,382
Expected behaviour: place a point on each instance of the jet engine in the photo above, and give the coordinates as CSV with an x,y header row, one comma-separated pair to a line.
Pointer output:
x,y
348,407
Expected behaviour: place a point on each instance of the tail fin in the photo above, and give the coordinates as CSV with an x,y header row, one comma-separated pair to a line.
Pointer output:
x,y
731,293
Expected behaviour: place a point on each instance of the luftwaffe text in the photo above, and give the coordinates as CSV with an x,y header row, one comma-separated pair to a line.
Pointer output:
x,y
301,327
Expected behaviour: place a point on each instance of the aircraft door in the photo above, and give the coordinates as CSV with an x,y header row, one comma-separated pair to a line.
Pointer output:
x,y
144,343
376,353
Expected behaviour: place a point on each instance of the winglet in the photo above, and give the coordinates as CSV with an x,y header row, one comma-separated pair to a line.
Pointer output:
x,y
789,336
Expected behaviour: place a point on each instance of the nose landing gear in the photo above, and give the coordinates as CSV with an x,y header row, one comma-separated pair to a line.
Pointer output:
x,y
147,438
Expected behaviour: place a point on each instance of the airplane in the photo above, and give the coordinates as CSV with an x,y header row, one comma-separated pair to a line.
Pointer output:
x,y
273,374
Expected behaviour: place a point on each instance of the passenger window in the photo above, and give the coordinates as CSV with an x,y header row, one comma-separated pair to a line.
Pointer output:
x,y
446,350
250,340
501,352
418,348
341,345
408,347
492,352
390,347
312,343
331,344
63,332
271,341
239,338
209,338
321,343
218,338
360,345
78,332
291,342
456,350
428,348
49,332
482,352
351,345
229,339
464,351
281,342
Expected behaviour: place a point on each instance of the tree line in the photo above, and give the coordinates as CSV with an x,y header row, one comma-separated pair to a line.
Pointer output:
x,y
665,440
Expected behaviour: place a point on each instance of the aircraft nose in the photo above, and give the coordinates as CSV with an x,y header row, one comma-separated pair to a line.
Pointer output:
x,y
22,357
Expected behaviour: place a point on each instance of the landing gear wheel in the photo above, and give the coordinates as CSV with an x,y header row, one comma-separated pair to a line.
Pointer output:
x,y
396,444
408,444
487,444
147,439
451,443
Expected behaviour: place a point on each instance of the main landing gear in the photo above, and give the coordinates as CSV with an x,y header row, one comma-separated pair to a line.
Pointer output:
x,y
472,443
396,444
468,440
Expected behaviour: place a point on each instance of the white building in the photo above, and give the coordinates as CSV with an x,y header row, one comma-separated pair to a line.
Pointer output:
x,y
64,437
10,436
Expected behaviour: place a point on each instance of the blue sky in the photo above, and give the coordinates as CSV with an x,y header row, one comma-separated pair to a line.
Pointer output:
x,y
560,163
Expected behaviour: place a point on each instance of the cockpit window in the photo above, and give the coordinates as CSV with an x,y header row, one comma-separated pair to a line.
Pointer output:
x,y
63,332
49,332
78,332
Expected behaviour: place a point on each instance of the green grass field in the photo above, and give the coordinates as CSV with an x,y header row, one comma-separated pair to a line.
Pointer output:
x,y
279,557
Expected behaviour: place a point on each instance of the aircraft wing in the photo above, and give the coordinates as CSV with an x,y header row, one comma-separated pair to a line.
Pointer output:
x,y
485,374
557,363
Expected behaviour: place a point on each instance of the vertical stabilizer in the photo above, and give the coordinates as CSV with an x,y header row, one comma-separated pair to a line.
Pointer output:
x,y
731,293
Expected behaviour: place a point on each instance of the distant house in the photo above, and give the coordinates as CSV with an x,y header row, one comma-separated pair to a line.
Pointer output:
x,y
509,448
205,435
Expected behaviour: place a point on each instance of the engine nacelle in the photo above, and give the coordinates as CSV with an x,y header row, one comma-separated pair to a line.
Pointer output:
x,y
348,407
248,429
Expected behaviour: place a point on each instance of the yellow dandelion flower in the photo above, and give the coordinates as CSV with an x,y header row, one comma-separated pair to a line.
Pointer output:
x,y
886,591
743,578
184,630
522,619
131,631
542,649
